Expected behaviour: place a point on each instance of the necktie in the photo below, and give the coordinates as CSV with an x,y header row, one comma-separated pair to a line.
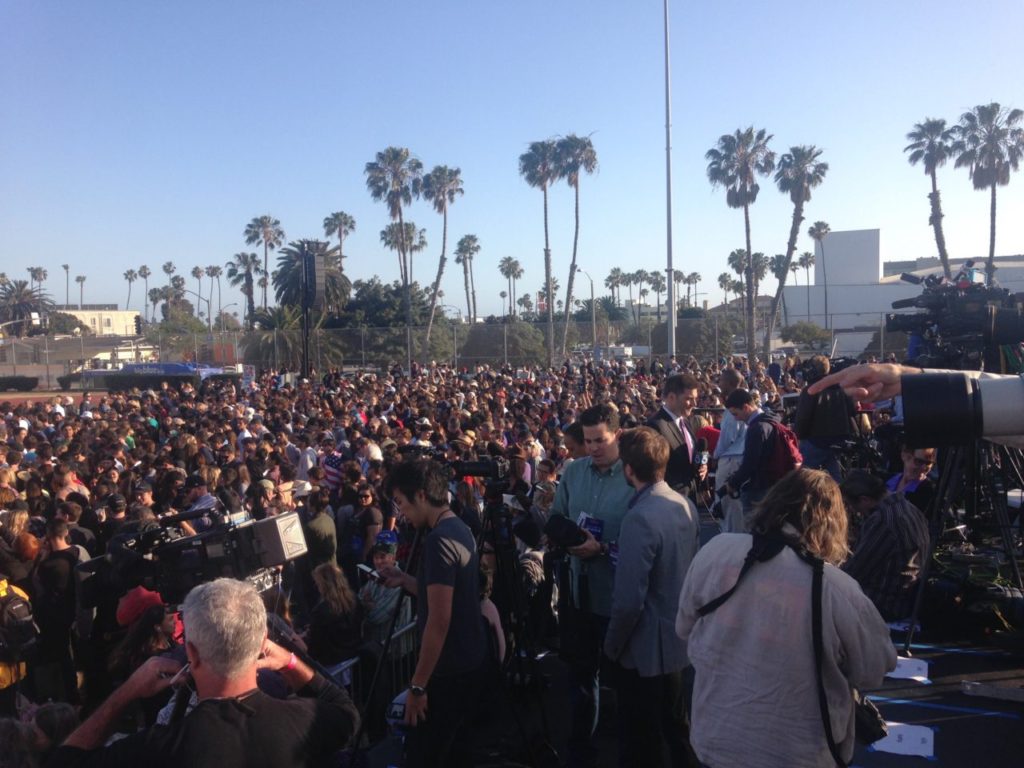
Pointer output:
x,y
686,437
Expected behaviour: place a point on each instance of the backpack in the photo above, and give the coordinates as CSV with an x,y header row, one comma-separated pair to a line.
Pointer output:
x,y
785,455
18,630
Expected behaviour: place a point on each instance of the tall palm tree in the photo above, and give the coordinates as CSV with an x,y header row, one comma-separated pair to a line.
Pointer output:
x,y
542,294
18,300
197,273
658,285
467,247
735,163
737,261
144,273
525,303
794,267
507,267
725,282
393,178
37,275
503,295
931,143
242,271
440,187
214,272
990,144
539,168
266,231
639,278
67,284
287,278
800,171
575,155
629,280
341,224
131,276
817,232
80,279
614,282
807,261
155,296
169,270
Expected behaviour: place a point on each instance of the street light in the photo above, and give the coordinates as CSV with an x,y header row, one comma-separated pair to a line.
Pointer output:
x,y
593,314
232,304
209,315
452,306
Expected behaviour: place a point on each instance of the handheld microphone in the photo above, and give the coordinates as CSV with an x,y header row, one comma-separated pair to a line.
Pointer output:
x,y
700,451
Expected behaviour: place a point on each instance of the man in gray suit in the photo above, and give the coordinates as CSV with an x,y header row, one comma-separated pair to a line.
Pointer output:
x,y
656,544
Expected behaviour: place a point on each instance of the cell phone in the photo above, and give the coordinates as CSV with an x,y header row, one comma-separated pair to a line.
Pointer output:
x,y
181,674
370,573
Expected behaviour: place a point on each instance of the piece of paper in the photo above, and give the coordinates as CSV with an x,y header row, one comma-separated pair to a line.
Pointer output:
x,y
910,669
903,739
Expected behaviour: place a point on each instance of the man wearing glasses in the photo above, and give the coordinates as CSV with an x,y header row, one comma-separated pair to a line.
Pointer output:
x,y
913,482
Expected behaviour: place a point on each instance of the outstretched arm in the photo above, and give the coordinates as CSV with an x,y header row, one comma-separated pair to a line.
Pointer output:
x,y
867,383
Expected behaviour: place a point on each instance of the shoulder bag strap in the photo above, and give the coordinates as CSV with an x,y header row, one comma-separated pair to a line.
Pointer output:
x,y
762,549
819,657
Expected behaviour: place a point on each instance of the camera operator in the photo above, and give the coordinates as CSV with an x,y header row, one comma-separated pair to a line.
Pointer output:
x,y
593,488
656,545
234,724
446,684
822,419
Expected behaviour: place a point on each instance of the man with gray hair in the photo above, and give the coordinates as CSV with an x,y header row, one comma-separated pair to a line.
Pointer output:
x,y
235,723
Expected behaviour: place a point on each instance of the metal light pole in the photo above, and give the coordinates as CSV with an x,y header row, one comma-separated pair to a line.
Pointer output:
x,y
668,194
593,315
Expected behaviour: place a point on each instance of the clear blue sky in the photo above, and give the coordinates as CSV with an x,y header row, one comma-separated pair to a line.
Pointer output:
x,y
136,133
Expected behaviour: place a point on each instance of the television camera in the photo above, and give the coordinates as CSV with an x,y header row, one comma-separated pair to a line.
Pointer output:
x,y
963,322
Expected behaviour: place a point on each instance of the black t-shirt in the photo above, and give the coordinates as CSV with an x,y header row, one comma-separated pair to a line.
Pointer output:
x,y
450,558
256,731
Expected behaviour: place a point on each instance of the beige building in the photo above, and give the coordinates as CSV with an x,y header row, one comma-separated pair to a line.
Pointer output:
x,y
105,320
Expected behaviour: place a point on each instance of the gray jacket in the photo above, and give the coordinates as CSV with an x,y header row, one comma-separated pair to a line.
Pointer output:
x,y
657,542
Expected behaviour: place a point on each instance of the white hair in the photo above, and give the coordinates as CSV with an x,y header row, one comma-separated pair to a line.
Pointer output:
x,y
226,621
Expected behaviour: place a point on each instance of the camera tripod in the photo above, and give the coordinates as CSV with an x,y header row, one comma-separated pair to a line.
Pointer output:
x,y
985,469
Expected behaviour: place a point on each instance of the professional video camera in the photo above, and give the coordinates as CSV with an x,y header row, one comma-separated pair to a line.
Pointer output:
x,y
156,559
963,322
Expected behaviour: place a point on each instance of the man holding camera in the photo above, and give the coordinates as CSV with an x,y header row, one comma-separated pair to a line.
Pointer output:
x,y
234,724
446,684
657,542
594,493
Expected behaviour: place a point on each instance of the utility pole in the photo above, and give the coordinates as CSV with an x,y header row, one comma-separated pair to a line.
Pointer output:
x,y
668,194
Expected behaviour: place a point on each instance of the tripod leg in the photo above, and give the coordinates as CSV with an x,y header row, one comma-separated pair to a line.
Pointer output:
x,y
997,490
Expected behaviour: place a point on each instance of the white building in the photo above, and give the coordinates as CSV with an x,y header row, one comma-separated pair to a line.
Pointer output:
x,y
104,320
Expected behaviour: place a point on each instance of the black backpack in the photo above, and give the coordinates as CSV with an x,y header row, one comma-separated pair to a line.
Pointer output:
x,y
18,630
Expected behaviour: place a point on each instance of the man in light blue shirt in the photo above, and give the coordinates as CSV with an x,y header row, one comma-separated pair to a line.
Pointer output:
x,y
729,453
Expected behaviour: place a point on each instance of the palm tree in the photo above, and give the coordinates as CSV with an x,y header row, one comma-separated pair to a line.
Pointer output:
x,y
242,271
467,247
990,144
725,282
794,267
441,186
18,300
735,163
575,154
67,284
542,294
640,277
144,273
539,168
525,303
341,224
737,261
504,295
405,239
800,171
266,231
131,276
629,280
931,143
169,270
817,232
214,272
693,279
288,277
614,282
37,275
80,279
197,273
394,179
807,261
155,296
658,285
507,267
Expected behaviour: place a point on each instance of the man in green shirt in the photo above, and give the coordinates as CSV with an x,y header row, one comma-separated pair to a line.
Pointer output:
x,y
595,490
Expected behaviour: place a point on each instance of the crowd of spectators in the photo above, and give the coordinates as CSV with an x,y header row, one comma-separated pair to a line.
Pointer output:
x,y
81,474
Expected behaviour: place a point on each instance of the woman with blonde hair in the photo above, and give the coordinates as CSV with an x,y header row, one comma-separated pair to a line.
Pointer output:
x,y
745,614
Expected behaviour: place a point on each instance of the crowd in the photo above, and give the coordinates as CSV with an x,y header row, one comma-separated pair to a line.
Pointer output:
x,y
628,454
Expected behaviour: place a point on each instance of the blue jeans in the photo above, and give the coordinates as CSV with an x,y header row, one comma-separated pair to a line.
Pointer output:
x,y
817,457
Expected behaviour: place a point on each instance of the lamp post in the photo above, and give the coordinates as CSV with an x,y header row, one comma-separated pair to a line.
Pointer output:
x,y
232,304
209,317
593,315
669,271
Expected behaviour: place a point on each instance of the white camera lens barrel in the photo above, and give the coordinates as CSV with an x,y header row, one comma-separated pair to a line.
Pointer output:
x,y
955,408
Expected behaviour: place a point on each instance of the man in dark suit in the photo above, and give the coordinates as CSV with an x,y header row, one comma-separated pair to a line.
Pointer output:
x,y
678,399
657,542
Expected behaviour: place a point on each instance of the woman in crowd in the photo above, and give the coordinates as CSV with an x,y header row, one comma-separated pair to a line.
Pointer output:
x,y
336,621
755,700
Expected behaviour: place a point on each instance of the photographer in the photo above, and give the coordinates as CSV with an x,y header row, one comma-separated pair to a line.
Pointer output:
x,y
822,420
446,684
234,724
